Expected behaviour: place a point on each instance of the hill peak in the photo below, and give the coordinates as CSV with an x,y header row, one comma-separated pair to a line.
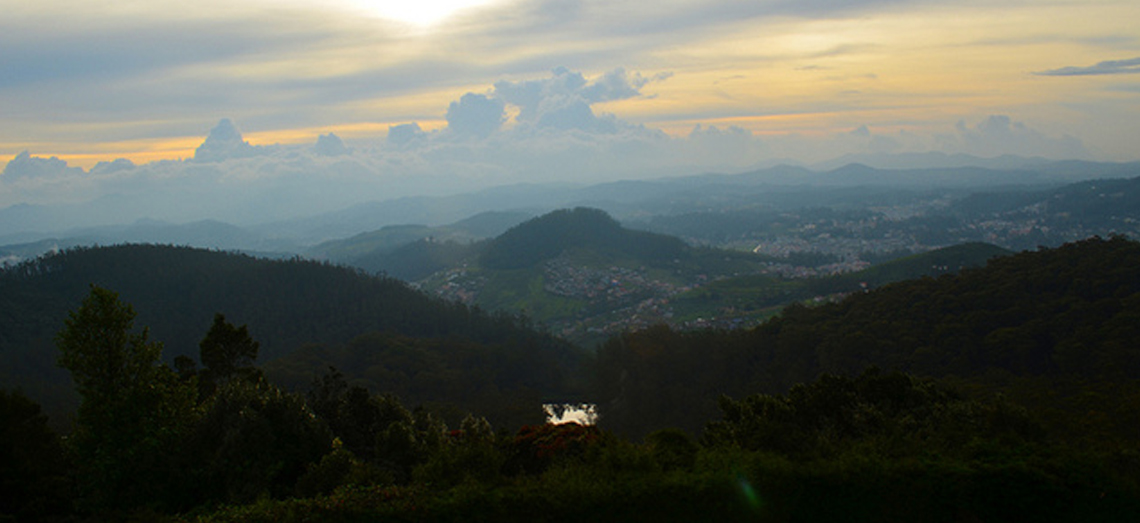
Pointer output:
x,y
551,234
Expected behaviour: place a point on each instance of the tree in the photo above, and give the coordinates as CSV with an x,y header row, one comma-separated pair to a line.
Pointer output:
x,y
252,440
892,412
33,465
132,406
227,352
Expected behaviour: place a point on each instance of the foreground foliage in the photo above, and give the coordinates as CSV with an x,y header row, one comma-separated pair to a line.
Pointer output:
x,y
880,447
735,486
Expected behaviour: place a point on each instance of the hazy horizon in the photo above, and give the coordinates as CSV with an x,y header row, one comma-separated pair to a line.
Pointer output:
x,y
252,110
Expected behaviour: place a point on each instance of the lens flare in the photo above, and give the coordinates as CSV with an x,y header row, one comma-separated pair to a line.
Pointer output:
x,y
749,493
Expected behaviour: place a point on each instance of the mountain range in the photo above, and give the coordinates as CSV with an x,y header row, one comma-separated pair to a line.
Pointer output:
x,y
110,219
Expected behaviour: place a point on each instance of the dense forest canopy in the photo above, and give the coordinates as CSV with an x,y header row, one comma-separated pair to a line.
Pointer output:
x,y
547,236
1048,326
286,304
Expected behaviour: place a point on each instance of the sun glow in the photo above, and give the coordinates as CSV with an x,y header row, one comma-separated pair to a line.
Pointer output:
x,y
419,13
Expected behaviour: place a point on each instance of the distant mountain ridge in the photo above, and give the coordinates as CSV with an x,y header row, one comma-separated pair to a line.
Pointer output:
x,y
26,223
390,237
932,160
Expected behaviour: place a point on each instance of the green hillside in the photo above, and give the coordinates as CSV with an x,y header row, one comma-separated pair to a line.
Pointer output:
x,y
758,296
412,252
543,238
381,240
947,260
581,273
1055,328
586,276
419,259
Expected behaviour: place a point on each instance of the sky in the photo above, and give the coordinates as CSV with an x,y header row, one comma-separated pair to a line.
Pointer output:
x,y
102,100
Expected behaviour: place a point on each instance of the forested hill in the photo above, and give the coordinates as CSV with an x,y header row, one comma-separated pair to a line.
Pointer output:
x,y
547,236
1052,327
286,304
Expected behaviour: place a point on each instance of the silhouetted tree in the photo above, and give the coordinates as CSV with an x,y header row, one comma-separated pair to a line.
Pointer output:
x,y
227,352
133,410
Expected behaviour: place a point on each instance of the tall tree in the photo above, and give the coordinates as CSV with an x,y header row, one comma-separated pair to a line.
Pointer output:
x,y
132,406
227,352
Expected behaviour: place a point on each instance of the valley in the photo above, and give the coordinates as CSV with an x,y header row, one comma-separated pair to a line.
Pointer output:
x,y
809,334
779,229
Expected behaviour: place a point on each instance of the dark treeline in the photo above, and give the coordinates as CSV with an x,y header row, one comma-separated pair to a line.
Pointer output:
x,y
286,304
149,438
506,383
178,289
1054,328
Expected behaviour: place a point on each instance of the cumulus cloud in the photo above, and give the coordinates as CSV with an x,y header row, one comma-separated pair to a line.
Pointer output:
x,y
572,113
619,85
1000,135
554,136
563,101
712,147
1130,66
330,145
225,142
404,134
24,165
114,166
475,115
529,93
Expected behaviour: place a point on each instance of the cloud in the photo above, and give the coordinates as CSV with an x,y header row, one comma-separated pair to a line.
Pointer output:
x,y
112,167
1000,135
1130,66
330,145
572,113
475,115
24,165
530,95
81,73
151,57
619,85
554,136
563,101
225,142
626,22
404,134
